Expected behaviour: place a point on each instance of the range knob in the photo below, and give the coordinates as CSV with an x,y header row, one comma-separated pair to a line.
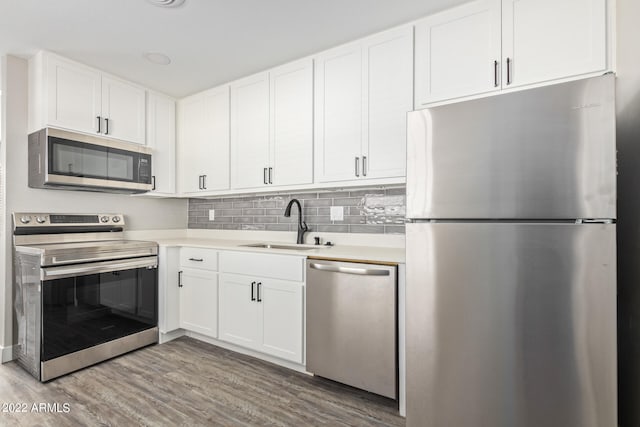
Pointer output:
x,y
115,219
104,219
25,219
41,219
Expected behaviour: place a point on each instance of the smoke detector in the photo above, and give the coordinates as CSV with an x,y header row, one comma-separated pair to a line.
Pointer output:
x,y
167,3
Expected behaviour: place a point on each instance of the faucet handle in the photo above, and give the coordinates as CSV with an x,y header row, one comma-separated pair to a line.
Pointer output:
x,y
304,226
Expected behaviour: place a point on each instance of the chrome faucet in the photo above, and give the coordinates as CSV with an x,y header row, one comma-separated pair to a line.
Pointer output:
x,y
302,226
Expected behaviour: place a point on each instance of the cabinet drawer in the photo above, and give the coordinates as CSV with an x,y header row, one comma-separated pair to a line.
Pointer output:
x,y
206,259
284,267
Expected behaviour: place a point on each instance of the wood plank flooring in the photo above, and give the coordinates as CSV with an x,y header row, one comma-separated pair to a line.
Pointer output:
x,y
189,383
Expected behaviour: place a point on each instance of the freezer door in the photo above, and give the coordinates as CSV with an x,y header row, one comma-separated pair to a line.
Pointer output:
x,y
511,325
544,153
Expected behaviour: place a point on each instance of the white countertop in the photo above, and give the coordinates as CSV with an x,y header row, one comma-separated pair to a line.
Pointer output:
x,y
339,251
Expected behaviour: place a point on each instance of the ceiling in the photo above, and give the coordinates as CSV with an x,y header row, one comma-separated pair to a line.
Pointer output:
x,y
209,41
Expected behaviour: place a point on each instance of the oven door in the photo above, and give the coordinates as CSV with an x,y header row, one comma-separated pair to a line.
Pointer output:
x,y
84,305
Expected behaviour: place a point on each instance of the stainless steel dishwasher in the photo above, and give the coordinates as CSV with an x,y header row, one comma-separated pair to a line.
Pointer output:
x,y
352,324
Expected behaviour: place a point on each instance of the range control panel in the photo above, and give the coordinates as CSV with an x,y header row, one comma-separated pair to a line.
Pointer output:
x,y
31,219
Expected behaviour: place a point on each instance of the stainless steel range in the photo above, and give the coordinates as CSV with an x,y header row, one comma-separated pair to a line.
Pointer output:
x,y
83,294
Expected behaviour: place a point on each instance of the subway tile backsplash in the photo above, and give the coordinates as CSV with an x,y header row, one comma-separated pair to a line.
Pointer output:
x,y
368,210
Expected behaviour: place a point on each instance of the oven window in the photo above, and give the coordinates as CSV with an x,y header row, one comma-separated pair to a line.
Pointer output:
x,y
80,312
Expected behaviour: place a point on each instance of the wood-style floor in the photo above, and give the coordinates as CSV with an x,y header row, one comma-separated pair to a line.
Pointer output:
x,y
188,383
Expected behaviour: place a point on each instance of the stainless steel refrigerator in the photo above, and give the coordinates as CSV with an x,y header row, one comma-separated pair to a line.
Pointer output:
x,y
511,260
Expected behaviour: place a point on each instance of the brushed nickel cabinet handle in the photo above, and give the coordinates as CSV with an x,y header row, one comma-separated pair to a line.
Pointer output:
x,y
508,71
364,165
495,73
357,166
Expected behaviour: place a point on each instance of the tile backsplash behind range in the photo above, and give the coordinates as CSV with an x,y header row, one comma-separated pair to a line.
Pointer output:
x,y
372,210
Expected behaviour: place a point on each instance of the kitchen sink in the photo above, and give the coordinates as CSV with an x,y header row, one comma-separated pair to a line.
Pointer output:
x,y
284,246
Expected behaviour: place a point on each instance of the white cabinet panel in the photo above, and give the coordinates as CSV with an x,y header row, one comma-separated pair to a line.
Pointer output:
x,y
291,120
199,302
338,113
168,289
123,110
161,137
458,52
238,310
281,304
388,99
547,39
74,94
203,141
250,131
284,267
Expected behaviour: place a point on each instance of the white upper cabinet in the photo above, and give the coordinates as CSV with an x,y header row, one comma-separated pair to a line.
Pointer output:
x,y
71,96
338,113
74,96
549,39
272,127
291,124
490,45
123,110
389,97
458,52
363,93
161,137
250,131
203,141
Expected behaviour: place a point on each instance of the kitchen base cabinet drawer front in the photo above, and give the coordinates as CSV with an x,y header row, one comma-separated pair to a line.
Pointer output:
x,y
283,267
199,302
201,258
238,310
282,310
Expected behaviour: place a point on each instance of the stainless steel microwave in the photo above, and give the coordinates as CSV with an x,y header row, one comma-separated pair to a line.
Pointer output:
x,y
66,160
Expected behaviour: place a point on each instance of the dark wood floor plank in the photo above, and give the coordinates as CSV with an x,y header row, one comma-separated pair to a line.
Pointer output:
x,y
191,383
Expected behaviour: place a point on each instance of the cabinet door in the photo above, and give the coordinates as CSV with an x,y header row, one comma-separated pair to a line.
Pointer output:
x,y
547,39
291,130
73,94
203,143
456,52
161,137
282,322
338,113
123,105
199,302
238,310
388,97
250,132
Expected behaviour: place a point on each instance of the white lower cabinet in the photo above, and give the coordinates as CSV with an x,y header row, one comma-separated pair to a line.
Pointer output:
x,y
199,301
251,300
265,315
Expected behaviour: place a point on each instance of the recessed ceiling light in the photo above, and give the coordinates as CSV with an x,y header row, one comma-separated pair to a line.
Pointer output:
x,y
157,58
167,3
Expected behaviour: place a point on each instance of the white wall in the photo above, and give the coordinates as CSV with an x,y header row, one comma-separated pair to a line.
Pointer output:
x,y
140,213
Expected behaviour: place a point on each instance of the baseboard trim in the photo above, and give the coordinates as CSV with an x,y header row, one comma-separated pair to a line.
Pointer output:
x,y
6,353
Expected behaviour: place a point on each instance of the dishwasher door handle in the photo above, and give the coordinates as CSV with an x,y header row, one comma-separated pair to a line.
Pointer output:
x,y
350,270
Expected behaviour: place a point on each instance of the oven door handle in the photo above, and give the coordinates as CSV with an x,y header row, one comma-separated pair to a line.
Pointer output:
x,y
50,273
129,254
